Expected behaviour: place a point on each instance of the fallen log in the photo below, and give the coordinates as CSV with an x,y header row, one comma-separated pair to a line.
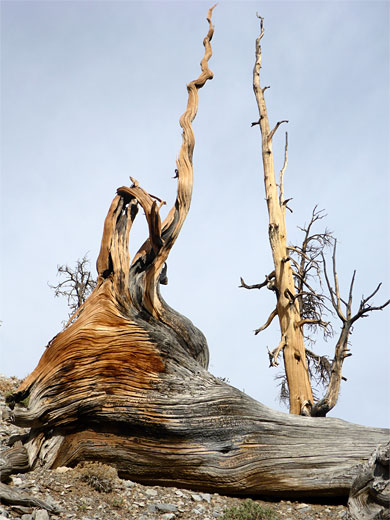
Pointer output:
x,y
126,382
12,496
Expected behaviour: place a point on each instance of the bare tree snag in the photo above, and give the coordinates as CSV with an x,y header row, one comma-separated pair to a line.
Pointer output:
x,y
322,407
300,392
126,382
298,305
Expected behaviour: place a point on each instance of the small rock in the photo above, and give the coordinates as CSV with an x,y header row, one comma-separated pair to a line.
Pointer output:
x,y
179,493
168,516
303,506
26,517
196,498
128,483
206,497
16,481
41,514
166,508
151,492
54,504
62,469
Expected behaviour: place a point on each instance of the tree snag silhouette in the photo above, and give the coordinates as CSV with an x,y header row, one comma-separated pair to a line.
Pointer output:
x,y
297,303
76,285
126,383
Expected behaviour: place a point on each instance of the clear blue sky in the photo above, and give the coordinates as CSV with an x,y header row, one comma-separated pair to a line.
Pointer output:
x,y
91,93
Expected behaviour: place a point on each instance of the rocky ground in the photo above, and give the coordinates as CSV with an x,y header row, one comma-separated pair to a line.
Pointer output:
x,y
94,492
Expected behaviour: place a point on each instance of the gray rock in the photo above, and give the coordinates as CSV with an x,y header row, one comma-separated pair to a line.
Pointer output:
x,y
168,516
196,498
163,508
128,483
303,506
27,517
56,505
151,492
41,514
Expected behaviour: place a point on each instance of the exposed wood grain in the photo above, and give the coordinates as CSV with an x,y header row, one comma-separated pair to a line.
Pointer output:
x,y
9,495
13,460
370,493
126,382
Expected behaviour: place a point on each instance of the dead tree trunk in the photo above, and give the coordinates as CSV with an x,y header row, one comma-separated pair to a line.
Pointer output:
x,y
282,280
126,382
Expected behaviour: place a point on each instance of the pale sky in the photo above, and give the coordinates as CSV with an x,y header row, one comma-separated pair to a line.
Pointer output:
x,y
91,93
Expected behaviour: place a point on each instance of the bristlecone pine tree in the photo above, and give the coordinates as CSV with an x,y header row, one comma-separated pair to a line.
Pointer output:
x,y
297,303
126,383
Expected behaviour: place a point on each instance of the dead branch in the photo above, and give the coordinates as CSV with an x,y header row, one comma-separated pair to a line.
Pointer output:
x,y
283,202
268,278
307,321
270,318
274,354
348,319
272,133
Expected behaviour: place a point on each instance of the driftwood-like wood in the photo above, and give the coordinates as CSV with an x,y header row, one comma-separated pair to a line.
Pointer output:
x,y
12,496
126,382
13,460
370,493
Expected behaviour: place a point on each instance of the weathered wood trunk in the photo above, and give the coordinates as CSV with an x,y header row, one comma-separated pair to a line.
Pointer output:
x,y
126,382
292,341
370,493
